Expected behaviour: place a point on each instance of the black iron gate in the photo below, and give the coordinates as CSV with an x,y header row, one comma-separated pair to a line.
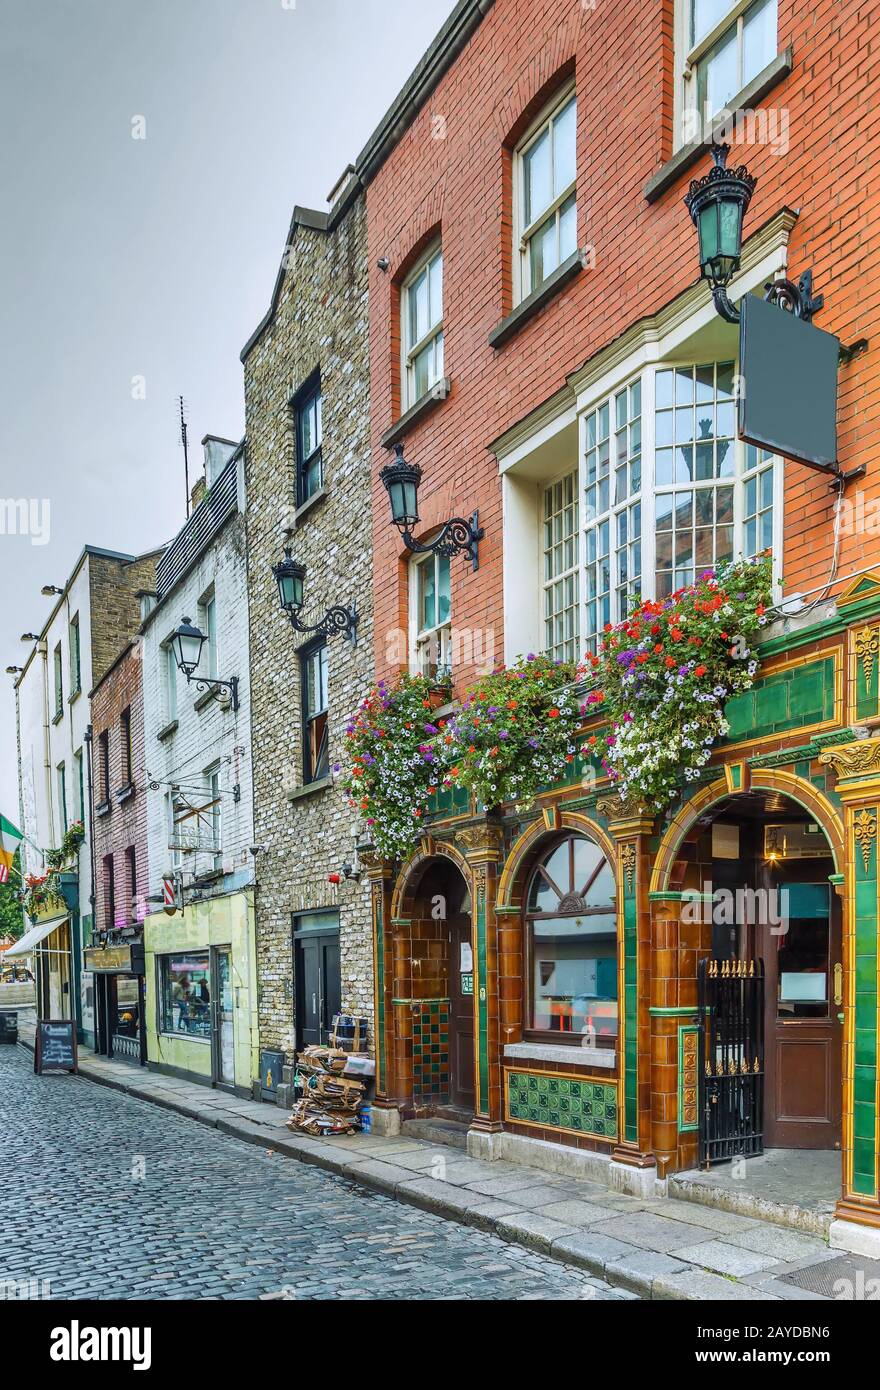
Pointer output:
x,y
731,998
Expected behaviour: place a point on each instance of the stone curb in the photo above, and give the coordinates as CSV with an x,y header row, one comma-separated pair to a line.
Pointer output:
x,y
468,1208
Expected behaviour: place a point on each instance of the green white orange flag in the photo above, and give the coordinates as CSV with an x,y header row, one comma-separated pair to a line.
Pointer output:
x,y
10,839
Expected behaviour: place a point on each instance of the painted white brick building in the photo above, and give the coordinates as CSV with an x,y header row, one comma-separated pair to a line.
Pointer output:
x,y
93,615
199,785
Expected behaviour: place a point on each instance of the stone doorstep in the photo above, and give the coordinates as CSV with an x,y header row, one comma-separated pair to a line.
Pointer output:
x,y
537,1211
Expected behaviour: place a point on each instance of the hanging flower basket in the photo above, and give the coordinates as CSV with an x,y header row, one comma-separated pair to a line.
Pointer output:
x,y
392,772
664,674
515,732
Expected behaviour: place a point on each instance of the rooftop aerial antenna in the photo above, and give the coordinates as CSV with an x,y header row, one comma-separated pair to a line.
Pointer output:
x,y
183,441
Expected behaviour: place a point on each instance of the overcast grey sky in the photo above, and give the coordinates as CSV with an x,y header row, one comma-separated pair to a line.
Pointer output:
x,y
123,258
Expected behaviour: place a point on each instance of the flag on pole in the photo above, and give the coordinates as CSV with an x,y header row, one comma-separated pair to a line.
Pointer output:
x,y
10,839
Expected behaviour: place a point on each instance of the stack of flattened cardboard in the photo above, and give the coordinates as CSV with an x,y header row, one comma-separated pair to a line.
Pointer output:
x,y
329,1102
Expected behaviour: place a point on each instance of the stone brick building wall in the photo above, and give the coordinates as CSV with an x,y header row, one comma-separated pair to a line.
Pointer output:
x,y
318,320
124,826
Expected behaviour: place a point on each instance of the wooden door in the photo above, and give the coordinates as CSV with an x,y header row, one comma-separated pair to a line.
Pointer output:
x,y
461,1014
804,1018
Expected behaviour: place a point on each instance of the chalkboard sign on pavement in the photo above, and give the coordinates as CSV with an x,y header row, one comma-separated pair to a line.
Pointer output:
x,y
55,1045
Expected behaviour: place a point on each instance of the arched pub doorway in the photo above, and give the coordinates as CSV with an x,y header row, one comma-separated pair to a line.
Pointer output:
x,y
433,998
759,879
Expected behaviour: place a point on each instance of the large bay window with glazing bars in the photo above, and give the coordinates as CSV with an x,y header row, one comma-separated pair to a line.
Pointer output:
x,y
664,491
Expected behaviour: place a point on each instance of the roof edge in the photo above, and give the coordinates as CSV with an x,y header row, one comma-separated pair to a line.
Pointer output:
x,y
465,19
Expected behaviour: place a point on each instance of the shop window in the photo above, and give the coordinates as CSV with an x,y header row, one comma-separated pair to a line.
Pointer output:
x,y
430,618
422,327
571,928
185,994
545,195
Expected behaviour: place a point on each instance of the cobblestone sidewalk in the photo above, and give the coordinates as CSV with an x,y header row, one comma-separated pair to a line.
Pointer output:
x,y
659,1249
116,1199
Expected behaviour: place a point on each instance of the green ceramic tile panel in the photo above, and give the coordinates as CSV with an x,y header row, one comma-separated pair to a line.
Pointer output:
x,y
801,695
563,1102
482,1006
866,1048
430,1052
865,1136
630,1002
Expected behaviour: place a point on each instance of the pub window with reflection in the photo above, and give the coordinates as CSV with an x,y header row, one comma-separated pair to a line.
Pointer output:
x,y
572,940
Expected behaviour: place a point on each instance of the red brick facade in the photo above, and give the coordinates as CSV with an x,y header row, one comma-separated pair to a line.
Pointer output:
x,y
450,173
121,830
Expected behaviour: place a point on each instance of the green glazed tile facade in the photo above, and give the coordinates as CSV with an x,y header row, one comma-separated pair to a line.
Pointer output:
x,y
801,695
430,1052
562,1102
864,1158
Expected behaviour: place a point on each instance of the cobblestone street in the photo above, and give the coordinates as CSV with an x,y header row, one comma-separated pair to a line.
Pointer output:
x,y
118,1199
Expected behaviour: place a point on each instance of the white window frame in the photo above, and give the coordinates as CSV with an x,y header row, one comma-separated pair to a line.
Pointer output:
x,y
522,233
688,55
421,638
213,782
169,680
208,607
649,488
434,337
574,571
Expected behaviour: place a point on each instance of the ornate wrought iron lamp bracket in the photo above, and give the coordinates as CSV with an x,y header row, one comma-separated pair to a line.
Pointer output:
x,y
336,619
458,537
215,685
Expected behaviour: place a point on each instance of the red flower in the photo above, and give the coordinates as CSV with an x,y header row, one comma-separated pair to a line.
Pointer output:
x,y
700,671
553,713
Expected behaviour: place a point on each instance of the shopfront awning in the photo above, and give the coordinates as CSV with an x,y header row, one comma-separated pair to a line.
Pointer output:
x,y
25,944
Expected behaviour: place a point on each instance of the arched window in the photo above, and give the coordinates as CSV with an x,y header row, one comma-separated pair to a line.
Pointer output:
x,y
571,928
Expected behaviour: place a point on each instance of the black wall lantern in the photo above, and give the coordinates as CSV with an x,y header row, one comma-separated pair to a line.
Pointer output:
x,y
717,203
457,536
290,576
187,644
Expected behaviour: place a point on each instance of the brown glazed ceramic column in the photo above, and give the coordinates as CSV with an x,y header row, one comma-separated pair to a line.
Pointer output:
x,y
380,876
631,827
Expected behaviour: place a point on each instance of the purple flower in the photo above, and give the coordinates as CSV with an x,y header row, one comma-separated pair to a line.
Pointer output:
x,y
431,729
530,656
502,733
